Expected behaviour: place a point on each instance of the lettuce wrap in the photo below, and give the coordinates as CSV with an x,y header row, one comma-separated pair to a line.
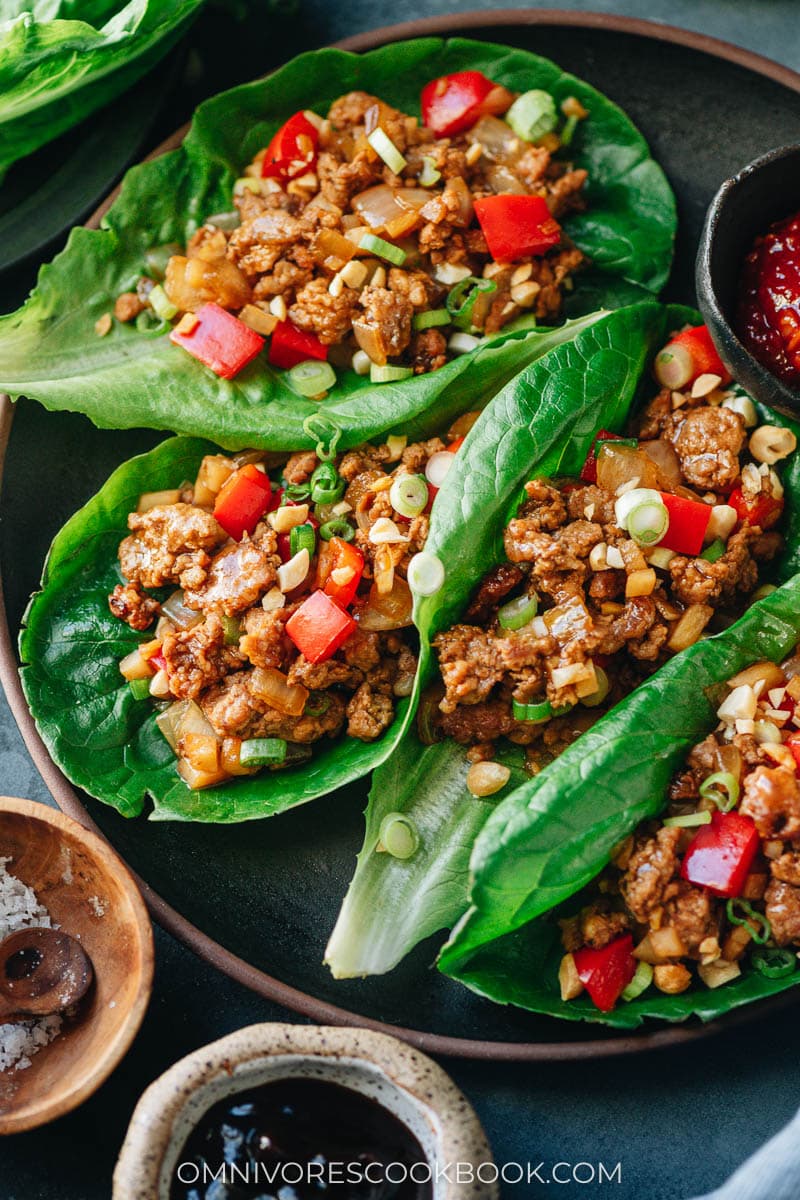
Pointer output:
x,y
549,839
59,62
50,350
71,647
594,382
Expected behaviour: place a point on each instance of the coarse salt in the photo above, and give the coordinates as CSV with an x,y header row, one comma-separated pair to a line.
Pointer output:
x,y
20,909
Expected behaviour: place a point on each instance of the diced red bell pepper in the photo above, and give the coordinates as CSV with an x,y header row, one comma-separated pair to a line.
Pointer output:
x,y
335,555
293,149
605,973
290,346
720,855
763,510
456,444
157,661
319,627
517,226
793,742
688,524
704,354
276,499
243,501
589,469
219,341
453,103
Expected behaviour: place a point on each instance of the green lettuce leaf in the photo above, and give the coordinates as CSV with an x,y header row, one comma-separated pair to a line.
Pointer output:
x,y
60,60
542,422
549,838
71,646
50,351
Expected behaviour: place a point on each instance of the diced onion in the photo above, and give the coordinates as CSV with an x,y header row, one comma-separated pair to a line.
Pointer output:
x,y
271,686
463,343
438,466
361,362
134,666
384,612
425,573
398,835
409,495
149,500
178,613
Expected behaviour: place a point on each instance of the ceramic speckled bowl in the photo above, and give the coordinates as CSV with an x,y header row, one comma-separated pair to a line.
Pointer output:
x,y
405,1082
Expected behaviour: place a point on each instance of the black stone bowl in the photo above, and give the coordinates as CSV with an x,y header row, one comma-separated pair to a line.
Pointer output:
x,y
766,190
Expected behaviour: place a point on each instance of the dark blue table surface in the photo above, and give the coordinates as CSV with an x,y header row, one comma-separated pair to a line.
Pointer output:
x,y
678,1123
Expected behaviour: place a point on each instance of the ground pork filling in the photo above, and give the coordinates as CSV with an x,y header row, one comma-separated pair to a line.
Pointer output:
x,y
281,614
712,888
355,255
595,595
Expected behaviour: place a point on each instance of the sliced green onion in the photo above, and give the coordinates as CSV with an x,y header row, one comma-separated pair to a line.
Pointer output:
x,y
541,711
389,373
425,574
462,298
302,537
317,704
297,492
158,257
232,629
409,495
722,788
383,145
714,551
689,821
398,835
568,131
311,378
429,175
603,688
741,912
337,528
327,434
140,688
518,612
430,319
463,343
327,485
149,322
641,981
161,304
262,752
226,221
674,367
774,962
376,245
643,513
532,115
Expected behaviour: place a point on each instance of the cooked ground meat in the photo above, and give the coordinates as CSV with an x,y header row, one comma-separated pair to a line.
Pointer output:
x,y
708,442
652,867
265,642
369,713
772,799
782,908
330,318
787,868
167,542
428,351
492,591
196,658
385,323
691,912
236,578
470,665
133,606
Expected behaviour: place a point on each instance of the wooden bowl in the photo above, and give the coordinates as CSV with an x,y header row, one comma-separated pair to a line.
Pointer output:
x,y
88,892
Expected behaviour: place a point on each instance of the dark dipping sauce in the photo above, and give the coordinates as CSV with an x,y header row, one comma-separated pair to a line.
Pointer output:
x,y
768,317
299,1121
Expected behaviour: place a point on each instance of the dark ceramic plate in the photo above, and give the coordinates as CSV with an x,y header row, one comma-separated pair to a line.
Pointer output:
x,y
259,900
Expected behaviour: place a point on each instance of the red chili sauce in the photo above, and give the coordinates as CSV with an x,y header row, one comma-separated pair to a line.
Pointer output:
x,y
768,319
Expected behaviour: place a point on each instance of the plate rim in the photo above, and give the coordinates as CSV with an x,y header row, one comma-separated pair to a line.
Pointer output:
x,y
65,796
